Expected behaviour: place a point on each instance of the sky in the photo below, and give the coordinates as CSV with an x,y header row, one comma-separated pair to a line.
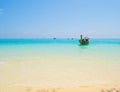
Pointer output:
x,y
59,18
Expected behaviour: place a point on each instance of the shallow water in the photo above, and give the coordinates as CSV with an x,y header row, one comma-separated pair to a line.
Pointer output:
x,y
60,62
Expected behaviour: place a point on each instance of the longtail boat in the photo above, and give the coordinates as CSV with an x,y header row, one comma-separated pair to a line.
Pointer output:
x,y
84,41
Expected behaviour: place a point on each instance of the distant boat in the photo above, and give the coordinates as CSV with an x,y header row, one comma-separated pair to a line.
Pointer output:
x,y
72,38
84,41
54,38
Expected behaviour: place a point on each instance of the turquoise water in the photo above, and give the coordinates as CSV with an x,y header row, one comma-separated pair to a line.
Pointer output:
x,y
65,61
99,50
108,49
58,41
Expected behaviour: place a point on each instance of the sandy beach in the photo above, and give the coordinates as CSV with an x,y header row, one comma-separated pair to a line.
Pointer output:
x,y
20,77
100,88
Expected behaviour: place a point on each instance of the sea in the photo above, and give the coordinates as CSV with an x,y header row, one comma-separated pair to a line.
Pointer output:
x,y
59,62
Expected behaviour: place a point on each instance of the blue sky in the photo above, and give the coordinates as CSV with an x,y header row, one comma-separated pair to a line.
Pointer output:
x,y
59,18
